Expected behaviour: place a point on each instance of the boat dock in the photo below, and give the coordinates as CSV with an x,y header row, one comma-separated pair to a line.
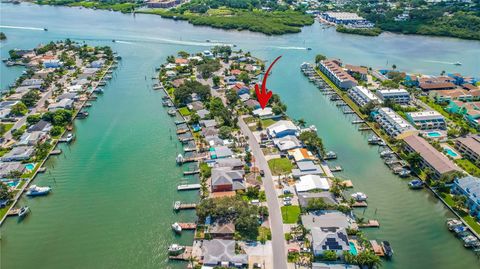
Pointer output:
x,y
370,224
187,187
187,254
358,121
13,212
347,183
360,204
377,249
187,225
185,206
191,172
364,128
56,152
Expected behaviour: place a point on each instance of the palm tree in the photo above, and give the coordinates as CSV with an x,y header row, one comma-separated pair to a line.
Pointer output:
x,y
301,123
191,261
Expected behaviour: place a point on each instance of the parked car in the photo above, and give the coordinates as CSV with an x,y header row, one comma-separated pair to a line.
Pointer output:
x,y
262,173
287,203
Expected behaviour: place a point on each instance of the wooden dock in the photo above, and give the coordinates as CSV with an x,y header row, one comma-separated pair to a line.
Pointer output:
x,y
13,212
56,152
347,183
187,225
370,224
360,204
183,256
186,187
185,206
377,249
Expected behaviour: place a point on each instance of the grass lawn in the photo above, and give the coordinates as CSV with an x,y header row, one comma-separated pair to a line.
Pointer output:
x,y
290,213
468,166
5,127
280,166
267,122
184,111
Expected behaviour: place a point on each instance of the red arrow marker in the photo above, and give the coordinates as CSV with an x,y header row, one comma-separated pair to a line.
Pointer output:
x,y
263,96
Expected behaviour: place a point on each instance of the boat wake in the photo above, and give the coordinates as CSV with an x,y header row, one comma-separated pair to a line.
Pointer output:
x,y
123,42
437,62
21,27
290,48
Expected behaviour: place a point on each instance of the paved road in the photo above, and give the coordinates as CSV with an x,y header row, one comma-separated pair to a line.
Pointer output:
x,y
276,223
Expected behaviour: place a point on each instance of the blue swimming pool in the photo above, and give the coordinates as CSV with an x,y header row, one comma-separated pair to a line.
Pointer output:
x,y
450,152
353,249
30,166
12,183
434,134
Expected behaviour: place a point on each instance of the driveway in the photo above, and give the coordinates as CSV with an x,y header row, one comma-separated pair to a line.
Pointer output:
x,y
275,215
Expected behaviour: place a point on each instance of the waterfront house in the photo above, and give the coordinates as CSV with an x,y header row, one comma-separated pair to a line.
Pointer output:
x,y
232,163
430,157
362,96
263,113
301,154
195,105
203,113
220,252
333,70
327,219
282,128
5,108
311,182
69,95
8,167
181,61
322,265
19,93
436,83
220,152
469,147
88,73
427,120
306,168
18,154
391,122
326,196
230,80
98,63
211,131
42,126
163,3
254,104
32,83
214,140
398,96
455,94
62,104
208,123
220,230
226,179
469,186
170,66
53,63
345,18
334,239
287,143
207,54
32,138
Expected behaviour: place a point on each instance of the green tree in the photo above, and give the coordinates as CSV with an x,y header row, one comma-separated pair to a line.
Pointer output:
x,y
232,97
313,142
56,131
34,118
244,77
319,58
225,132
19,109
31,98
4,193
330,255
216,81
183,54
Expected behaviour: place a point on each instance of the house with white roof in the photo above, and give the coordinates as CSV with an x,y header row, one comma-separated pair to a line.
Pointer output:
x,y
427,120
287,142
312,182
362,96
282,128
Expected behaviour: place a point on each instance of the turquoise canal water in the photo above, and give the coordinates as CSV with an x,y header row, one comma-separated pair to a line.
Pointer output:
x,y
113,188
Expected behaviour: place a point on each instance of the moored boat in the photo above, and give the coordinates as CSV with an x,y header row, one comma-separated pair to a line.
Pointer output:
x,y
179,159
35,190
98,90
404,173
176,205
373,140
23,212
175,249
387,249
172,112
69,138
359,196
415,184
386,153
452,223
176,227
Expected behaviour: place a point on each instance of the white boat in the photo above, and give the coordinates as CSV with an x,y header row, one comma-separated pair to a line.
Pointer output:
x,y
452,223
359,196
172,112
23,212
179,159
457,63
330,155
176,227
386,153
35,190
175,249
176,205
69,138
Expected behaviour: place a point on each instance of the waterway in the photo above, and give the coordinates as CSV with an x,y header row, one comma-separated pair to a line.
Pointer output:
x,y
113,188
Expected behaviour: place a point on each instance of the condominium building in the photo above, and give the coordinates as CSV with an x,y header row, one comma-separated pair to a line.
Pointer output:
x,y
362,96
398,96
469,147
391,122
427,120
333,70
431,158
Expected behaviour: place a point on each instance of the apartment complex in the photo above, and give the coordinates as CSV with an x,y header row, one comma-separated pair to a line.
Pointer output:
x,y
469,147
333,70
391,122
427,120
398,96
362,96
